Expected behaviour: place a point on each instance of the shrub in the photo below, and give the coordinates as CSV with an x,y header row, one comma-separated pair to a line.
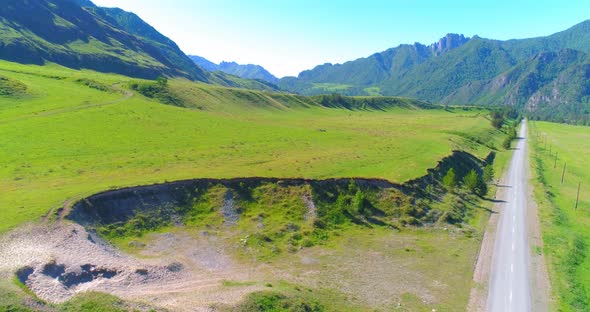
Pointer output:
x,y
511,136
274,301
157,90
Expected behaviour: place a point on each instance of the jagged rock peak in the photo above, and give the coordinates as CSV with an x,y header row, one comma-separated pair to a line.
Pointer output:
x,y
447,43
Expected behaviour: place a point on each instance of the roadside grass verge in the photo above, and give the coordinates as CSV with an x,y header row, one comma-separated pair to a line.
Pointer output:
x,y
566,230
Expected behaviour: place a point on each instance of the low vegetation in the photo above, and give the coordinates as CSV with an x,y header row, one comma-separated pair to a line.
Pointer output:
x,y
11,87
156,90
275,301
560,168
93,84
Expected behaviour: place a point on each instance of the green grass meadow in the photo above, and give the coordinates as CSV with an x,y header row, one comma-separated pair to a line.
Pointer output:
x,y
566,230
63,139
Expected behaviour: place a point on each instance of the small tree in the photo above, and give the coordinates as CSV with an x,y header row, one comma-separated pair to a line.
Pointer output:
x,y
470,181
497,119
449,180
359,202
488,173
482,187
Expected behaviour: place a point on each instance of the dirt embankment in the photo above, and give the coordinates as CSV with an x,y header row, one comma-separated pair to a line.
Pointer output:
x,y
119,205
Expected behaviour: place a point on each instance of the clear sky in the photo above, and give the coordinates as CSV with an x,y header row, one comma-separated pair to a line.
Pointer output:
x,y
288,36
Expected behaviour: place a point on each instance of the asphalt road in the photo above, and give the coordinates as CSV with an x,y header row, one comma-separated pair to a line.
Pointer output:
x,y
509,284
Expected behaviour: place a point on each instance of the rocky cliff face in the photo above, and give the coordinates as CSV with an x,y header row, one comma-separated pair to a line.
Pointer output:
x,y
447,43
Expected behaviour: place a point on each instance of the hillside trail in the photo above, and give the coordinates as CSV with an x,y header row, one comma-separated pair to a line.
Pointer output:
x,y
117,86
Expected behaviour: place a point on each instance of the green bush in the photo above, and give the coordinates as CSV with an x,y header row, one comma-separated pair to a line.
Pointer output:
x,y
509,138
93,84
158,90
272,301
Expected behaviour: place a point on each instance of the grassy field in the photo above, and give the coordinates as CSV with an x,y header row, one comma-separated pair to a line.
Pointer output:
x,y
64,139
566,230
66,134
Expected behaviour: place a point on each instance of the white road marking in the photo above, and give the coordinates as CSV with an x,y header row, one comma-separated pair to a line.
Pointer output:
x,y
512,265
512,246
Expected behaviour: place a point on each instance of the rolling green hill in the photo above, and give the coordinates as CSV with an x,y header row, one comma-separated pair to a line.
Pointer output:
x,y
545,76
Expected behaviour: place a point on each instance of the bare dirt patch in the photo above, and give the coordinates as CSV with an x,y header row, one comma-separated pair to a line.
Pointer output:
x,y
60,260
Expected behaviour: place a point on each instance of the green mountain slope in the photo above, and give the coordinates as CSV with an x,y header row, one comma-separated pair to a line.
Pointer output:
x,y
372,70
543,75
550,85
248,71
78,34
106,40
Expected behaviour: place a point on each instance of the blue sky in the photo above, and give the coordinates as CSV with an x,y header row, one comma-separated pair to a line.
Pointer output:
x,y
288,36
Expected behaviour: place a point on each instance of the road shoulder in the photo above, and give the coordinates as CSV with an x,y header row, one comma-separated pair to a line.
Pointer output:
x,y
483,266
541,299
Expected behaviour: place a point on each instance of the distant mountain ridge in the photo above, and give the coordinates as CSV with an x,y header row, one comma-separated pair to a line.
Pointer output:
x,y
248,71
545,76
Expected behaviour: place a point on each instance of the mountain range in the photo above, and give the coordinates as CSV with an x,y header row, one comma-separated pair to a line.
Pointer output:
x,y
248,71
547,76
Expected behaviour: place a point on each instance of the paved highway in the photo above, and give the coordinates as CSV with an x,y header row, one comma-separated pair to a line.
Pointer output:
x,y
509,284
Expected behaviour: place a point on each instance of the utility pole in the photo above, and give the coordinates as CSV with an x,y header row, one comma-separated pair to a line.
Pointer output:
x,y
578,196
563,173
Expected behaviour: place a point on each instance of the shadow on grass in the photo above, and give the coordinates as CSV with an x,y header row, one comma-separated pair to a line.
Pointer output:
x,y
493,200
476,205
